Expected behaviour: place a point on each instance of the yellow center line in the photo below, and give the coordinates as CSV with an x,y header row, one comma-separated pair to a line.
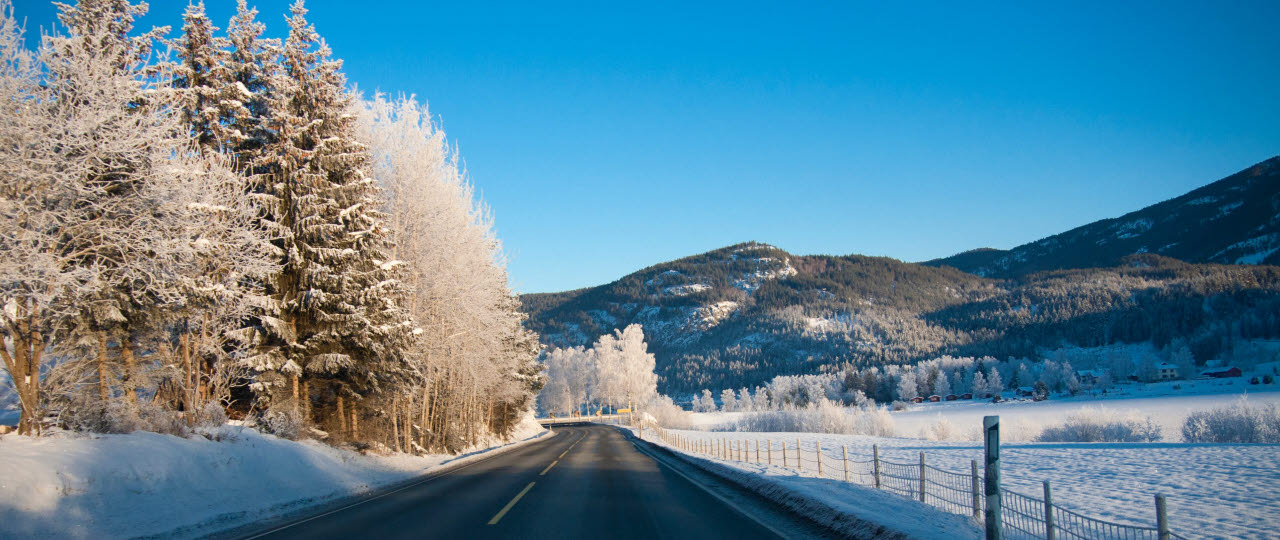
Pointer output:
x,y
513,502
553,464
575,443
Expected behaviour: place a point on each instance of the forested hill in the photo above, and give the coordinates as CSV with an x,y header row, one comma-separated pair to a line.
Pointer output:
x,y
1235,220
740,315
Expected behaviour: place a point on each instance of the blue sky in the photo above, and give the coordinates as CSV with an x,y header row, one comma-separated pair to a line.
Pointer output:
x,y
608,137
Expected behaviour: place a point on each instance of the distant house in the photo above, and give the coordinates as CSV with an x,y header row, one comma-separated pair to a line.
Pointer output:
x,y
917,399
935,398
951,397
1026,391
1166,371
1223,372
966,395
1090,377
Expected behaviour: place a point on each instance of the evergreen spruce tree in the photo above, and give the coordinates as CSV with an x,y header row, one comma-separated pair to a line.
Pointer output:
x,y
343,328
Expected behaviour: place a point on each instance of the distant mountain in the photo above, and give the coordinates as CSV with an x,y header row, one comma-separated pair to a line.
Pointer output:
x,y
1235,220
741,315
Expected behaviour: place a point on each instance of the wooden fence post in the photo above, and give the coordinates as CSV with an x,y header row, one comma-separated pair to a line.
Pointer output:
x,y
977,490
875,460
1048,513
768,448
799,458
1162,519
922,476
784,453
817,451
991,443
844,452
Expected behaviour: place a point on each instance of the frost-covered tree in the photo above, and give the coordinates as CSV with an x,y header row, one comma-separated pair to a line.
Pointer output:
x,y
625,367
728,400
907,387
37,279
470,357
942,386
995,383
745,401
340,324
705,403
979,385
1180,355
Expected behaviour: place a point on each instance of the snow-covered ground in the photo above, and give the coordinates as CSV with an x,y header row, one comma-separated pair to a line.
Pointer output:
x,y
1214,490
1023,420
146,484
1168,403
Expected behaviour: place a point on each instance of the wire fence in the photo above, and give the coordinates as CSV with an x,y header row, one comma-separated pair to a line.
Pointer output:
x,y
1021,516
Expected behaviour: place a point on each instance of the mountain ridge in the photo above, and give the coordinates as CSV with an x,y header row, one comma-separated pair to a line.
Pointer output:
x,y
741,314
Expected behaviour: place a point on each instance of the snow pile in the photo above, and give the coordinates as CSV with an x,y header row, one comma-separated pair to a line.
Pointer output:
x,y
146,484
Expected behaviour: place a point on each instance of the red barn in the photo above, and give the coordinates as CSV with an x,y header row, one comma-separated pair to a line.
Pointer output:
x,y
1222,373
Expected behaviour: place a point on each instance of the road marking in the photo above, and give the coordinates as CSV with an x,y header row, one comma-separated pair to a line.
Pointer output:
x,y
575,443
513,502
426,478
553,464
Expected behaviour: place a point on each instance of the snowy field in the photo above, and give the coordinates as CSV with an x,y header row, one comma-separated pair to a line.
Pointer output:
x,y
1168,403
1214,490
1023,420
147,484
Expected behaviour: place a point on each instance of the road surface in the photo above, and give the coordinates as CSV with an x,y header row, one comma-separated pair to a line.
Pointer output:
x,y
586,481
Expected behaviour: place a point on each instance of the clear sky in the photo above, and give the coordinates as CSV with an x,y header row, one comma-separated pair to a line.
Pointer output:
x,y
610,136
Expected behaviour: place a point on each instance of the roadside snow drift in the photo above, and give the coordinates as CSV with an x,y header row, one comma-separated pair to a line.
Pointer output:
x,y
146,484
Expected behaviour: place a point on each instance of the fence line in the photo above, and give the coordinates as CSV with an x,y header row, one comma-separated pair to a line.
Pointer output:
x,y
1021,516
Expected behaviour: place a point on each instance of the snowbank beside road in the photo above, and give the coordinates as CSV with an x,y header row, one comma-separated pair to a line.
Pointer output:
x,y
146,484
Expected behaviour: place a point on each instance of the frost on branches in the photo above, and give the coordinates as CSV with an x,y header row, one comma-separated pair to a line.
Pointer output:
x,y
618,370
230,231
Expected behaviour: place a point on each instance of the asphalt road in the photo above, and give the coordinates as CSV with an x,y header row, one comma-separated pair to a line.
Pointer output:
x,y
584,482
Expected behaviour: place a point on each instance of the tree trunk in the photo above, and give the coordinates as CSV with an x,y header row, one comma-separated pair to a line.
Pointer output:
x,y
297,403
342,418
355,423
189,387
395,427
130,377
306,401
104,384
23,366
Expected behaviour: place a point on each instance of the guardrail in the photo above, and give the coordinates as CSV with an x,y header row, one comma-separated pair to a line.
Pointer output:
x,y
612,419
969,493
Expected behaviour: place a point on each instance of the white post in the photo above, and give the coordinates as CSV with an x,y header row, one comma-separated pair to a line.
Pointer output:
x,y
875,460
921,476
1162,519
1048,513
991,437
977,490
844,451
